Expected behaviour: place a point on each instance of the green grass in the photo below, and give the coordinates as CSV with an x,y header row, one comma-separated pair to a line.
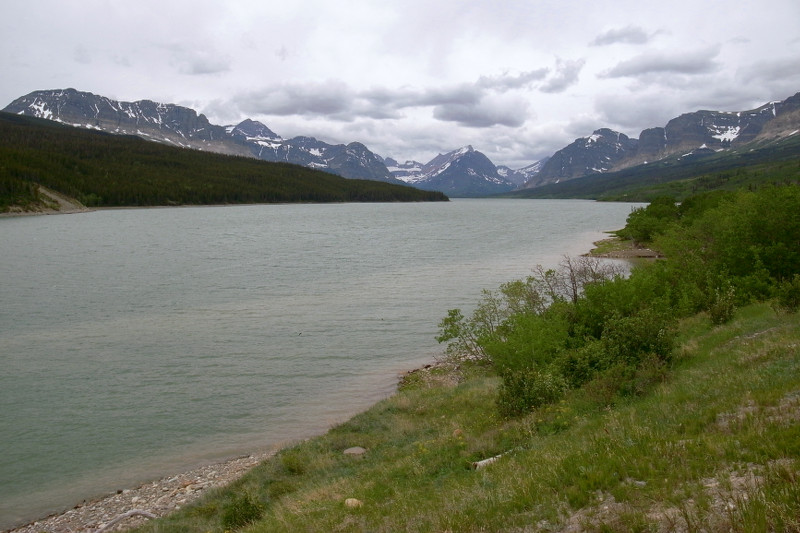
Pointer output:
x,y
714,446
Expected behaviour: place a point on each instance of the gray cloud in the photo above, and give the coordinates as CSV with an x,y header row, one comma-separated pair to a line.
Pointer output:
x,y
332,98
508,82
484,114
695,62
566,74
478,104
626,35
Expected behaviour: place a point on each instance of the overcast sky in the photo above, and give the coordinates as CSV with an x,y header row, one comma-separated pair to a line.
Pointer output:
x,y
517,80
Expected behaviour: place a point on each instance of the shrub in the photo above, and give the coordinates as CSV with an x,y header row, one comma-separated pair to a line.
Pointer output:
x,y
644,223
628,339
723,303
241,510
523,390
580,365
788,295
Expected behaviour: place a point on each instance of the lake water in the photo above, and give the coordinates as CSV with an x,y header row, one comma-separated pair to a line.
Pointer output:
x,y
140,343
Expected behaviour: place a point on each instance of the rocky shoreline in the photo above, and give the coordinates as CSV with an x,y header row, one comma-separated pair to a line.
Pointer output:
x,y
131,507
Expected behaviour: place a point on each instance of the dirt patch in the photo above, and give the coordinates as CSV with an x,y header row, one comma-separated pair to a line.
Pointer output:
x,y
53,203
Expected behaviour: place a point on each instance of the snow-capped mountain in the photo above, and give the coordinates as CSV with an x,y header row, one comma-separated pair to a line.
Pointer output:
x,y
464,172
522,175
697,134
181,126
599,152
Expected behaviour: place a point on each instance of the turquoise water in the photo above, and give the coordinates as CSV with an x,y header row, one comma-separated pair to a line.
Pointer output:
x,y
139,343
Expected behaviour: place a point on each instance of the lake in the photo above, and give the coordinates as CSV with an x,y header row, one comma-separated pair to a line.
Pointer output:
x,y
143,342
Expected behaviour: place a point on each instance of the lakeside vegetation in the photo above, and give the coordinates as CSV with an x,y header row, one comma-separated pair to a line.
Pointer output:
x,y
664,400
104,170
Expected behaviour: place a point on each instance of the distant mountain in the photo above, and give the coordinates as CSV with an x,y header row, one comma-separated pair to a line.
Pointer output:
x,y
465,172
98,169
522,175
462,172
181,126
691,135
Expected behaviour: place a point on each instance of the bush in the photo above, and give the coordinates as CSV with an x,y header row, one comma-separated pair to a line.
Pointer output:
x,y
241,510
628,339
581,365
788,295
644,223
723,303
523,390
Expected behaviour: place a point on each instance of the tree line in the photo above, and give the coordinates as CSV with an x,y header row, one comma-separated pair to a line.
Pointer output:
x,y
104,170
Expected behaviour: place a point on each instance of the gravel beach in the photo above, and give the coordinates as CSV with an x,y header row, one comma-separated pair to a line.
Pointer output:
x,y
156,498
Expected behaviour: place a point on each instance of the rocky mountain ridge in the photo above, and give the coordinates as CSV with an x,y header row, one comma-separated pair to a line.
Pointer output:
x,y
691,134
181,126
462,172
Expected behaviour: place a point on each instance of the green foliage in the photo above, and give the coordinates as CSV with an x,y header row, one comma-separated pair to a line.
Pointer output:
x,y
644,223
723,303
584,325
240,511
788,295
526,389
628,339
106,170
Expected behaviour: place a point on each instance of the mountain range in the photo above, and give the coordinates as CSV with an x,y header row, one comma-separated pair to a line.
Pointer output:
x,y
462,172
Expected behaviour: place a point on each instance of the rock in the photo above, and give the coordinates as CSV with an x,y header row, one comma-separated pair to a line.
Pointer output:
x,y
353,503
355,450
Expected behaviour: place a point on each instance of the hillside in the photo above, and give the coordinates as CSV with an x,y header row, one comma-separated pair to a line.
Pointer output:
x,y
104,170
753,164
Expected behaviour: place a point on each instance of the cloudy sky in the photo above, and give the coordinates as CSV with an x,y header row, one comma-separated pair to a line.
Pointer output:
x,y
517,80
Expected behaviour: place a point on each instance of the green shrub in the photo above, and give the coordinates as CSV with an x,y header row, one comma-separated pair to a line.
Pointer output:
x,y
628,339
644,223
241,510
788,295
580,365
723,304
523,390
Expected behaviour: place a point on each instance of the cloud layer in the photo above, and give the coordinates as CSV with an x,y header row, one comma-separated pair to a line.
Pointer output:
x,y
517,80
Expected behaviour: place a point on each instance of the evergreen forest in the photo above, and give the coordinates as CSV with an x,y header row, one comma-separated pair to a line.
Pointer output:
x,y
104,170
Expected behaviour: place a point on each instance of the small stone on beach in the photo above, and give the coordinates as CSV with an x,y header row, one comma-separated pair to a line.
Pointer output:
x,y
355,450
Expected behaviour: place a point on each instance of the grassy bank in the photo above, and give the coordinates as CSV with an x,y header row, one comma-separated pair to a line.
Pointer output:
x,y
664,400
714,446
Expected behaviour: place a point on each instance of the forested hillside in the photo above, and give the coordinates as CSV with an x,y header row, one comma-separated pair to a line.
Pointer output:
x,y
105,170
750,166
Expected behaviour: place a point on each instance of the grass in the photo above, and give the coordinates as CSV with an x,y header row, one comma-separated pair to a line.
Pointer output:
x,y
713,446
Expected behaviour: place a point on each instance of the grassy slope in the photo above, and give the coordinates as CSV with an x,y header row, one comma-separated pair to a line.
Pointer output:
x,y
714,447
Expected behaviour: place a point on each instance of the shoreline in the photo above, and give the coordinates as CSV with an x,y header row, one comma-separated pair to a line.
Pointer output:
x,y
159,498
127,508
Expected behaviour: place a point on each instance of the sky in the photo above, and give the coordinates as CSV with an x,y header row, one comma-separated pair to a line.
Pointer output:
x,y
410,79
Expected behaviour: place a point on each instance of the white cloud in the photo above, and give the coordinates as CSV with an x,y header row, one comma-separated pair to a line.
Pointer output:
x,y
413,78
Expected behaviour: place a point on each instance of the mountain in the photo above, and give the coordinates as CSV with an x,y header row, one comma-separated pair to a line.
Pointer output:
x,y
40,158
181,126
691,135
465,172
522,175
